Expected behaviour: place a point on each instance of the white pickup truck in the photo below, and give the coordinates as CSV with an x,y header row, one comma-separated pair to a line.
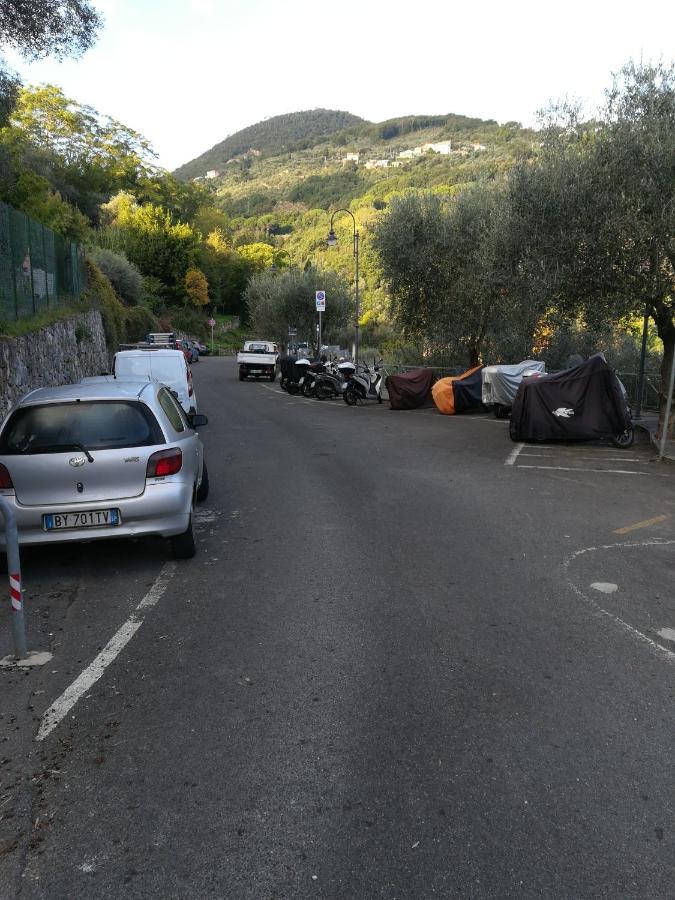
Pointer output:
x,y
258,358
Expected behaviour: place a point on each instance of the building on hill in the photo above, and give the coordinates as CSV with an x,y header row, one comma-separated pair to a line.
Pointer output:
x,y
212,173
377,164
351,157
442,147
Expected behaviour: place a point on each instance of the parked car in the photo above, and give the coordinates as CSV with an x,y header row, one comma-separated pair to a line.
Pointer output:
x,y
204,350
167,366
186,350
103,460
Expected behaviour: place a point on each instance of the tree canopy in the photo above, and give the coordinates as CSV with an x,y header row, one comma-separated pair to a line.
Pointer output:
x,y
57,28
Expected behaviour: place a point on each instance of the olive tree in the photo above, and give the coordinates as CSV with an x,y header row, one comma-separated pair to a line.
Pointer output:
x,y
598,209
277,300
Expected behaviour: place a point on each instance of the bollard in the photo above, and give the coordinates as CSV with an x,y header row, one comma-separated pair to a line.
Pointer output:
x,y
14,570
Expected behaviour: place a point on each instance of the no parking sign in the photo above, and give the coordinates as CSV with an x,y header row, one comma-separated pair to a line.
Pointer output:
x,y
320,301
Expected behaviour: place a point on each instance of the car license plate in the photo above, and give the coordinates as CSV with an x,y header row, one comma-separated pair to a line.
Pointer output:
x,y
256,371
93,518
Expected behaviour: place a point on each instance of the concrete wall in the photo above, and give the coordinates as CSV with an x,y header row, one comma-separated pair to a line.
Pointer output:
x,y
61,353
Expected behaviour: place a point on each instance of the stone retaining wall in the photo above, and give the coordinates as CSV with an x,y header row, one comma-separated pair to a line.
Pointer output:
x,y
61,353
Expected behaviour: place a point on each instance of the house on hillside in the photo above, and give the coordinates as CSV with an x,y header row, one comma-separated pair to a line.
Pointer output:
x,y
212,173
377,164
351,157
442,147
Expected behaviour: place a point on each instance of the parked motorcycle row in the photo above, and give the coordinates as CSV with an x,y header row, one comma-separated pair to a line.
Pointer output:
x,y
585,402
330,379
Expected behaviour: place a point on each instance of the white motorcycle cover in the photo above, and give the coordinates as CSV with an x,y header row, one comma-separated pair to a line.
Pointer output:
x,y
500,383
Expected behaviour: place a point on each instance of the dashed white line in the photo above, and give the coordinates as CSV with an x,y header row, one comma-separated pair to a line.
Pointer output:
x,y
62,706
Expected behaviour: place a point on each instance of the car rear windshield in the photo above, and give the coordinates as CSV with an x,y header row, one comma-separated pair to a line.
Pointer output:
x,y
94,425
163,368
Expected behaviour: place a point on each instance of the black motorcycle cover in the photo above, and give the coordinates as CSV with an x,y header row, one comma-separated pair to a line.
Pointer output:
x,y
468,391
579,404
411,390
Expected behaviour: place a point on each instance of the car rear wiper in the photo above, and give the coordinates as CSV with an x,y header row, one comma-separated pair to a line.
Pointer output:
x,y
71,446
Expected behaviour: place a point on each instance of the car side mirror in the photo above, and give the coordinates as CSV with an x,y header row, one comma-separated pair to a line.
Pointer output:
x,y
174,394
197,420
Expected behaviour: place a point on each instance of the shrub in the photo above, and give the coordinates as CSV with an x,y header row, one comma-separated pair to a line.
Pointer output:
x,y
190,321
122,274
101,295
139,320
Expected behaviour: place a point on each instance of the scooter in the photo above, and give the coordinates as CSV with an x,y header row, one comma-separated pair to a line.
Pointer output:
x,y
333,381
366,384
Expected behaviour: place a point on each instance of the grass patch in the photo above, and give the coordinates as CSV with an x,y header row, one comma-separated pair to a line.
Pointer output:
x,y
41,320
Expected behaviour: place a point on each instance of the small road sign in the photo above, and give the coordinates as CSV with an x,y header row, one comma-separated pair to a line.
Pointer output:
x,y
211,323
320,301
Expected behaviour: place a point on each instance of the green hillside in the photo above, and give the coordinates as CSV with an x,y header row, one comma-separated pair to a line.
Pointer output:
x,y
280,134
280,201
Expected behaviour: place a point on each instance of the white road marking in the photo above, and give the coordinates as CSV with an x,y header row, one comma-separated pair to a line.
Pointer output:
x,y
660,651
581,469
637,459
62,706
513,455
667,633
605,587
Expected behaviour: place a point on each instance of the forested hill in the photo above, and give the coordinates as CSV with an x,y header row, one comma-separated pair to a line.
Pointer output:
x,y
280,134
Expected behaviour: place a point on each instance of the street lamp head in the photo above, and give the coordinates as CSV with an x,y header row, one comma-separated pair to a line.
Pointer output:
x,y
332,240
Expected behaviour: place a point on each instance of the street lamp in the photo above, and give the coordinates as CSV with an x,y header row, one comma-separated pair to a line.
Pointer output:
x,y
332,242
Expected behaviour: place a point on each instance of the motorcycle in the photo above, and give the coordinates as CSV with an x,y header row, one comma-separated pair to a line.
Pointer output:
x,y
365,384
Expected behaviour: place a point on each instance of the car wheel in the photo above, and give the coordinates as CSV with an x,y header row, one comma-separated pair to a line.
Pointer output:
x,y
292,388
203,489
242,376
183,545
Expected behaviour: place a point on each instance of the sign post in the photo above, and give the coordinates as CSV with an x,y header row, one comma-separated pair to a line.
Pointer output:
x,y
212,324
320,297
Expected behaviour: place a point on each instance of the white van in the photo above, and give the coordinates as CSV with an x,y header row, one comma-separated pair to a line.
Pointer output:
x,y
167,366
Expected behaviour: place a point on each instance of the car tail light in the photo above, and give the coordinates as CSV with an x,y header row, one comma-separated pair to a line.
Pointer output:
x,y
5,479
164,462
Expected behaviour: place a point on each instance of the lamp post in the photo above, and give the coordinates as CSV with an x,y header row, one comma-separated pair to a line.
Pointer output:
x,y
332,242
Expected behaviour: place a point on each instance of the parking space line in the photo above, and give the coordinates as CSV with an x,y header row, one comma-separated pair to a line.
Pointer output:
x,y
637,459
644,524
62,706
513,455
584,469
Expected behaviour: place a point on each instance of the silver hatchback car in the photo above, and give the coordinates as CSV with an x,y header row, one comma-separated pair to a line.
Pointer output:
x,y
100,460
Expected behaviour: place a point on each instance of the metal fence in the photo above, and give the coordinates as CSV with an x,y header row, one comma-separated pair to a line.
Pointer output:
x,y
39,269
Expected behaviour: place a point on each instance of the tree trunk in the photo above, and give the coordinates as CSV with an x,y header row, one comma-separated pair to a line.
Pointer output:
x,y
668,339
474,358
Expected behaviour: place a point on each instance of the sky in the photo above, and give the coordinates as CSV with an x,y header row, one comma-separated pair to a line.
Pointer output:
x,y
187,74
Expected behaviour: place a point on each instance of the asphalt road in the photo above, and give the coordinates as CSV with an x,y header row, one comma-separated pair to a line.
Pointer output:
x,y
387,673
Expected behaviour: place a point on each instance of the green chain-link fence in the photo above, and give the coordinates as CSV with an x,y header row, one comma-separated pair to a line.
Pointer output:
x,y
39,269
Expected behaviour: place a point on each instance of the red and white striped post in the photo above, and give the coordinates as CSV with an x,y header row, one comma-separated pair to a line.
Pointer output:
x,y
14,569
